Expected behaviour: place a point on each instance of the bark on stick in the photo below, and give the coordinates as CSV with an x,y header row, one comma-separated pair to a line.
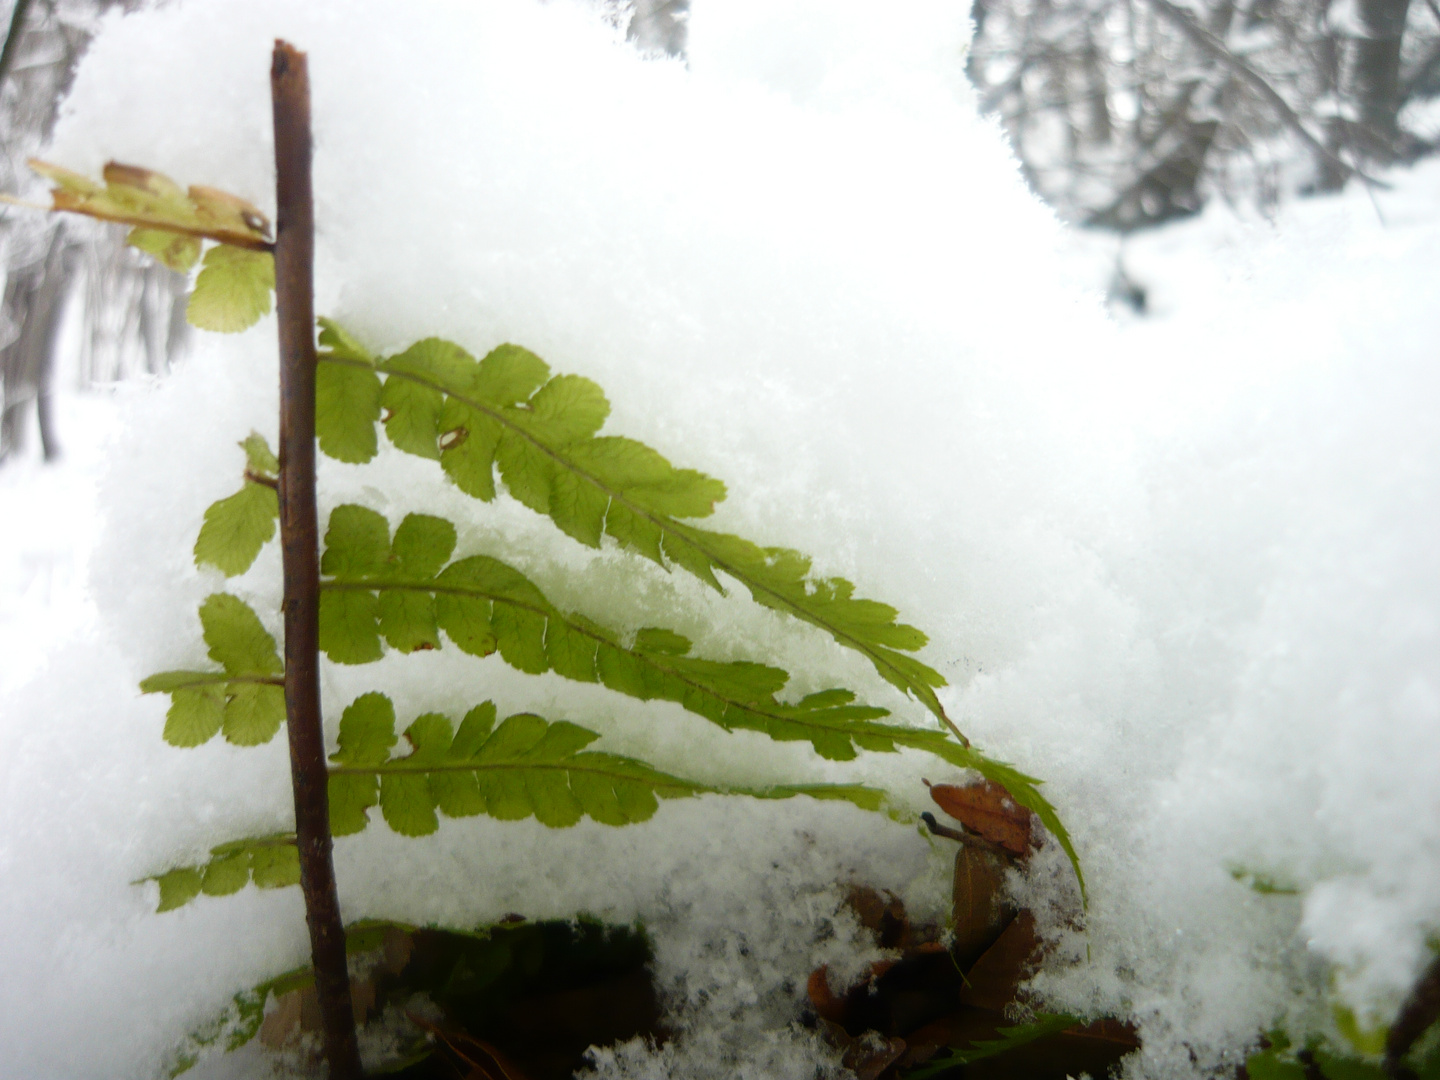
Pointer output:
x,y
299,539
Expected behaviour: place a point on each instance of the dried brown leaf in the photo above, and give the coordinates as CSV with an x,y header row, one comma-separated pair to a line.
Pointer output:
x,y
869,1056
962,1027
824,1000
988,810
979,908
994,979
141,197
281,1025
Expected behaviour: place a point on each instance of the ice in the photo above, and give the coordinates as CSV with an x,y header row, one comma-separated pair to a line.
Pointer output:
x,y
1183,569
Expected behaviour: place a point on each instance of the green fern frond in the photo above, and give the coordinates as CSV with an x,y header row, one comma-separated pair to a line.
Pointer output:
x,y
245,700
402,593
269,862
525,767
507,413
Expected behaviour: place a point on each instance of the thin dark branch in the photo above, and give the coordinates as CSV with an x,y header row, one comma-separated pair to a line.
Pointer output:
x,y
12,39
965,837
1209,43
299,540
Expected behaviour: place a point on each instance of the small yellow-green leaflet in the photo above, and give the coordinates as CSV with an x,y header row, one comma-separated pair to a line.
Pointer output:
x,y
237,527
245,699
233,289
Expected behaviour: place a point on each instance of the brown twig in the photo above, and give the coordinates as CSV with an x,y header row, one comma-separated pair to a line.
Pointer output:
x,y
456,1042
965,836
1209,43
299,540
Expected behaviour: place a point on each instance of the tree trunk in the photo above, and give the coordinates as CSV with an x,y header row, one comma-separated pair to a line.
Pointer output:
x,y
34,300
1374,70
658,26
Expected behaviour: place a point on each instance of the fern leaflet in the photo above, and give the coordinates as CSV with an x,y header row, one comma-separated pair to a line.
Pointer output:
x,y
245,700
270,862
525,767
236,528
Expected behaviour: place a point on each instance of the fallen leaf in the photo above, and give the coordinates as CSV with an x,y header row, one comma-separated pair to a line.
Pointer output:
x,y
281,1025
826,1004
979,909
988,810
871,1055
881,913
994,979
396,949
963,1027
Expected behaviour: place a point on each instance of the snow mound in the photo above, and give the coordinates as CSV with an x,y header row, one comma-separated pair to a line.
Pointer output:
x,y
1184,573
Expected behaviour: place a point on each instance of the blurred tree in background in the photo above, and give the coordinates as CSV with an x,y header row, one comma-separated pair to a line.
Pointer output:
x,y
1124,114
1128,113
130,312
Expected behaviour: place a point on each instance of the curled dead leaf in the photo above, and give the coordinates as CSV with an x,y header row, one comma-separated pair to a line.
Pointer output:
x,y
989,811
133,195
483,1061
142,179
827,1005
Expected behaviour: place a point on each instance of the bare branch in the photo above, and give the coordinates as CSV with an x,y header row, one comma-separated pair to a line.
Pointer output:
x,y
1212,45
12,39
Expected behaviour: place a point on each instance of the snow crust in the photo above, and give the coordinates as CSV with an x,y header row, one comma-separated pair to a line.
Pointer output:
x,y
1183,569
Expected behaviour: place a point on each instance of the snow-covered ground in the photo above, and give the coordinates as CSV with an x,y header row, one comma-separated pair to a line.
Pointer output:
x,y
1181,567
51,519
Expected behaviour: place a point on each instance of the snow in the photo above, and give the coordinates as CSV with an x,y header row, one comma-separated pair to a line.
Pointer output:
x,y
1180,567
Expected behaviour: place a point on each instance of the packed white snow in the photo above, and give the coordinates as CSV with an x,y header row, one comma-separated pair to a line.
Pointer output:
x,y
1184,570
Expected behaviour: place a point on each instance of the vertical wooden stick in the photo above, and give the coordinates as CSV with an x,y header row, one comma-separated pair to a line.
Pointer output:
x,y
299,540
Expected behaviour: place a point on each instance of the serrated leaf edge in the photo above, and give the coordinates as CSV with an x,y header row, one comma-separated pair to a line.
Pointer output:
x,y
882,657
